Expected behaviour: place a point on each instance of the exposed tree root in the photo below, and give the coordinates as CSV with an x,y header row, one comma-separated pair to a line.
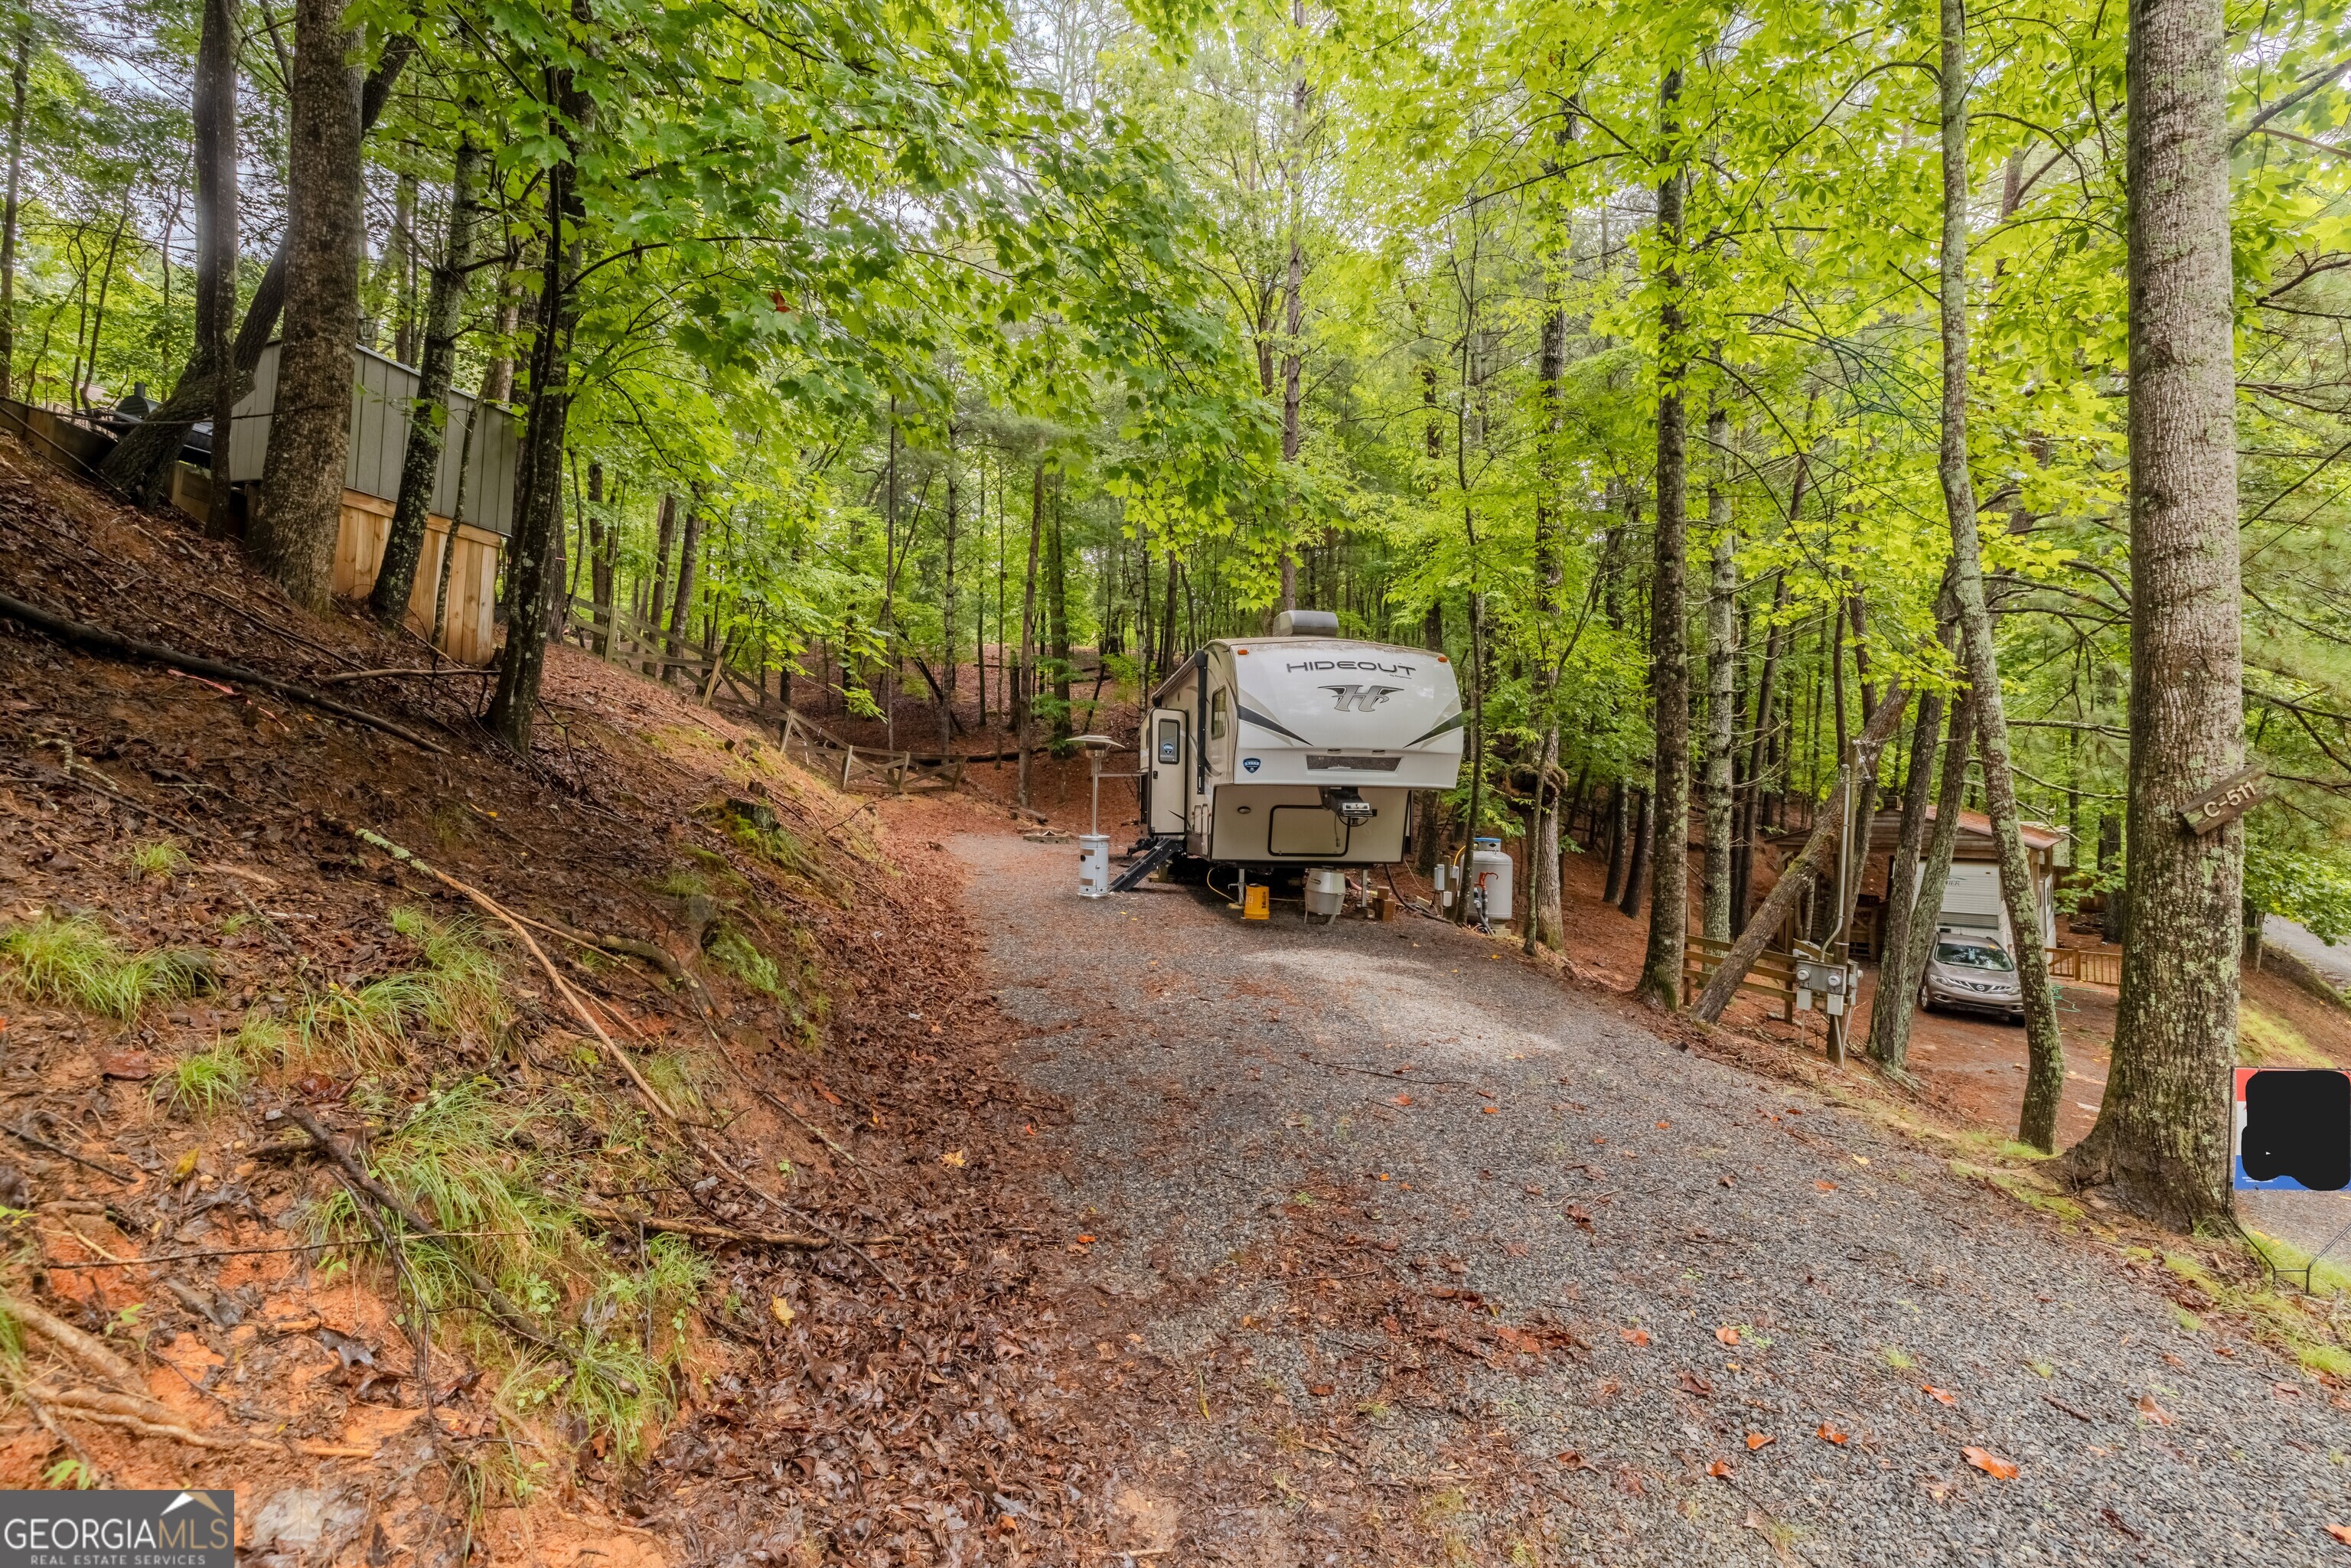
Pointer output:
x,y
111,645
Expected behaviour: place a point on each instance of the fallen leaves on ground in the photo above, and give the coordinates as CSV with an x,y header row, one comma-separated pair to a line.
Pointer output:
x,y
1691,1383
1828,1434
1721,1468
2154,1412
1990,1463
1826,1186
1940,1395
2341,1532
1727,1335
1633,1336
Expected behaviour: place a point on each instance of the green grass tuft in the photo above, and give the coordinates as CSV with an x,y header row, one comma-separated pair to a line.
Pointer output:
x,y
458,992
467,1156
161,858
200,1086
76,962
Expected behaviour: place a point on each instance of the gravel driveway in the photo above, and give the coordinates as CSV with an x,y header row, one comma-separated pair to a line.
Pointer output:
x,y
1590,1191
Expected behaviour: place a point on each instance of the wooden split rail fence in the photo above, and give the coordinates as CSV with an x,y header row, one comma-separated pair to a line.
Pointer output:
x,y
1772,975
636,641
861,767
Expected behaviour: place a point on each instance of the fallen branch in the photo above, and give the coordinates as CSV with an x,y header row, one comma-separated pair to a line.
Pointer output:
x,y
82,1347
1808,867
627,1221
149,1420
442,673
516,922
40,1143
94,639
507,1315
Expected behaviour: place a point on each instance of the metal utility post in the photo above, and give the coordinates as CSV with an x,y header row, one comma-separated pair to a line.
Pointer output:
x,y
1093,849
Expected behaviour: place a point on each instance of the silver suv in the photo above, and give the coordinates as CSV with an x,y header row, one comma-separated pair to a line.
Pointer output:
x,y
1971,971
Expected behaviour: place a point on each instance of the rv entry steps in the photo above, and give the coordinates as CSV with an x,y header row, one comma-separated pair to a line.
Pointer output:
x,y
1159,852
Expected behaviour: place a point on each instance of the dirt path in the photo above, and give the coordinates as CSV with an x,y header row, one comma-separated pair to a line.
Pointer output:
x,y
1563,1292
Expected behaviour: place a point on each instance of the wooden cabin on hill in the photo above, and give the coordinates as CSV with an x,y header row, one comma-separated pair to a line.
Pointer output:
x,y
381,391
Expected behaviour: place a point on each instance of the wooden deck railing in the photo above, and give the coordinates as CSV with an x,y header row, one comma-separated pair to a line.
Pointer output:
x,y
2090,965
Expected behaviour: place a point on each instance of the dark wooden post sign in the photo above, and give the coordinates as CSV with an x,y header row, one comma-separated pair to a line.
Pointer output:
x,y
2221,804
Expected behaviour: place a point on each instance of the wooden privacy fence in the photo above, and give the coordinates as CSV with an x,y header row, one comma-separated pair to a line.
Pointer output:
x,y
1772,975
856,766
2090,965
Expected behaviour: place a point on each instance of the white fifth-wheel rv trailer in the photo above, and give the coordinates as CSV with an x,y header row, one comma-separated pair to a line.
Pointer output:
x,y
1294,752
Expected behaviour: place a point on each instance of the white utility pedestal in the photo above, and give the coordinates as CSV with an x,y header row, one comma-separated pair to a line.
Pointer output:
x,y
1093,865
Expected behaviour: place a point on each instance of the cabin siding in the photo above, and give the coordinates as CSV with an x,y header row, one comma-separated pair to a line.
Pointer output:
x,y
382,392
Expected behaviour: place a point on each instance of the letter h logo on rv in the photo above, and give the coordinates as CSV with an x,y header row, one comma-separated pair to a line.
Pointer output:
x,y
1362,699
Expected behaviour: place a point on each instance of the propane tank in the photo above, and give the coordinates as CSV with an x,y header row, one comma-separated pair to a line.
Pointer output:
x,y
1489,872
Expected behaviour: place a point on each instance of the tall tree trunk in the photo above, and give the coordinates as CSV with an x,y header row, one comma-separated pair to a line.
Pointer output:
x,y
605,551
401,255
19,68
1637,866
216,157
664,535
1759,757
1805,872
293,537
538,542
948,600
1293,302
439,635
2044,1081
689,549
1024,683
1057,616
1721,686
1620,838
1545,923
428,416
1661,966
1900,970
141,464
1428,829
498,377
2162,1136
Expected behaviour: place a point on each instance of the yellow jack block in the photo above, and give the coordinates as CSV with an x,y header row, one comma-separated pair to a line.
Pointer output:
x,y
1257,903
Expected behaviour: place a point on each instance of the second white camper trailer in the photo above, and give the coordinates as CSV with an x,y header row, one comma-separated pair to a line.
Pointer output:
x,y
1295,751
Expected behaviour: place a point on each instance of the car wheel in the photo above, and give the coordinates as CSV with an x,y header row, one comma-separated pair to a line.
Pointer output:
x,y
1926,1001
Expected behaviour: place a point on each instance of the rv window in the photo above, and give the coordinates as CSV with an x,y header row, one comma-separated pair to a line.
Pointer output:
x,y
1216,717
1171,740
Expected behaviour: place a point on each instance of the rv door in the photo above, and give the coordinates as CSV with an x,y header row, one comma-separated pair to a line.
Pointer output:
x,y
1170,767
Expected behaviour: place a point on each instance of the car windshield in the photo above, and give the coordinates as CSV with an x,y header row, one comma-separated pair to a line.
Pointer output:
x,y
1972,956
